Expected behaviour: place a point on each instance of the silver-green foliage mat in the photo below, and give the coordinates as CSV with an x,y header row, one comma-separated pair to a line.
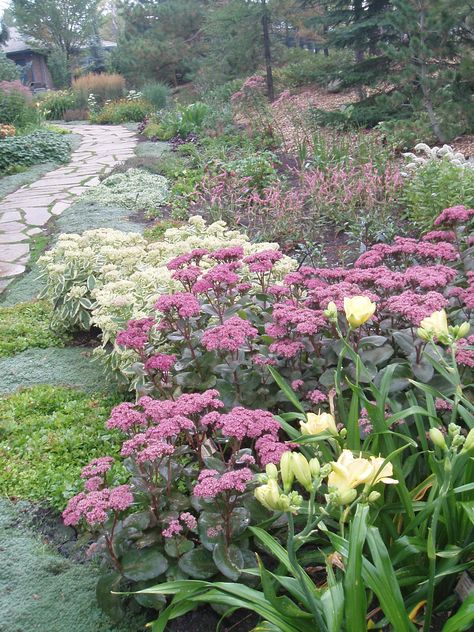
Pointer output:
x,y
41,591
72,366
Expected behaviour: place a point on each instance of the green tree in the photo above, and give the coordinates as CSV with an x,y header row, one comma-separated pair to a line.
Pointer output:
x,y
162,39
64,24
428,53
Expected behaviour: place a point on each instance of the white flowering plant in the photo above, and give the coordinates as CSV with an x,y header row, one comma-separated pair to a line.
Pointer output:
x,y
135,189
446,153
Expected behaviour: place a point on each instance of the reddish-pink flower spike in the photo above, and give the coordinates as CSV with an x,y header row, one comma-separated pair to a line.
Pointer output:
x,y
160,362
244,423
136,335
125,417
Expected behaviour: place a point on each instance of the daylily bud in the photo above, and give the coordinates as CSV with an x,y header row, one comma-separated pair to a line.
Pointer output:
x,y
358,309
331,312
272,471
437,438
345,497
458,441
374,496
314,467
463,330
423,334
454,429
286,471
326,470
301,470
268,495
469,443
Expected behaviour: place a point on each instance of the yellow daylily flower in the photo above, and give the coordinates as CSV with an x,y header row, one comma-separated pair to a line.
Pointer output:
x,y
349,472
358,309
384,475
316,424
436,324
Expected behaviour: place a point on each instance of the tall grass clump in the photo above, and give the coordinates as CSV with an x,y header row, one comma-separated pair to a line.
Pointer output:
x,y
103,86
156,93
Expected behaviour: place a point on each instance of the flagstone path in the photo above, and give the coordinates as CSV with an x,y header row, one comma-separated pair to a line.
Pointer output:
x,y
26,212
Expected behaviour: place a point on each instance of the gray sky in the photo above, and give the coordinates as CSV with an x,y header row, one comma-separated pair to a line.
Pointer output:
x,y
3,5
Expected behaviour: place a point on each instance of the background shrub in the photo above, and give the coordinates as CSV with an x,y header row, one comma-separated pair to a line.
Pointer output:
x,y
306,68
16,107
122,111
9,71
437,185
54,104
59,68
76,114
103,87
27,325
156,93
33,148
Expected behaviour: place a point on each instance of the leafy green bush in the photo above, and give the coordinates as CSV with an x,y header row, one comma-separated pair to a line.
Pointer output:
x,y
306,68
27,325
53,104
46,435
179,122
157,94
122,111
33,148
9,71
434,186
258,168
16,107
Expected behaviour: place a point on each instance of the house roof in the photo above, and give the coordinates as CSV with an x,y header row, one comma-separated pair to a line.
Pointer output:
x,y
18,43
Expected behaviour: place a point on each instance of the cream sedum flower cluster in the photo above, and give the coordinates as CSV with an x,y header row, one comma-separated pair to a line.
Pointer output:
x,y
446,152
105,277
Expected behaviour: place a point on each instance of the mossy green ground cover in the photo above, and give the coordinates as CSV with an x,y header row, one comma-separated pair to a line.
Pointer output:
x,y
28,325
42,591
47,434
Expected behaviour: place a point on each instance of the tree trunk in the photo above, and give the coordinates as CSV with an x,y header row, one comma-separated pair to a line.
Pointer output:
x,y
267,51
359,52
424,84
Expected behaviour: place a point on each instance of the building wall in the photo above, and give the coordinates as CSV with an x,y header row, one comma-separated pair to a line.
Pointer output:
x,y
36,70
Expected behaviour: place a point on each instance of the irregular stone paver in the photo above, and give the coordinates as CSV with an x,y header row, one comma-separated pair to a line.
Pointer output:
x,y
26,212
